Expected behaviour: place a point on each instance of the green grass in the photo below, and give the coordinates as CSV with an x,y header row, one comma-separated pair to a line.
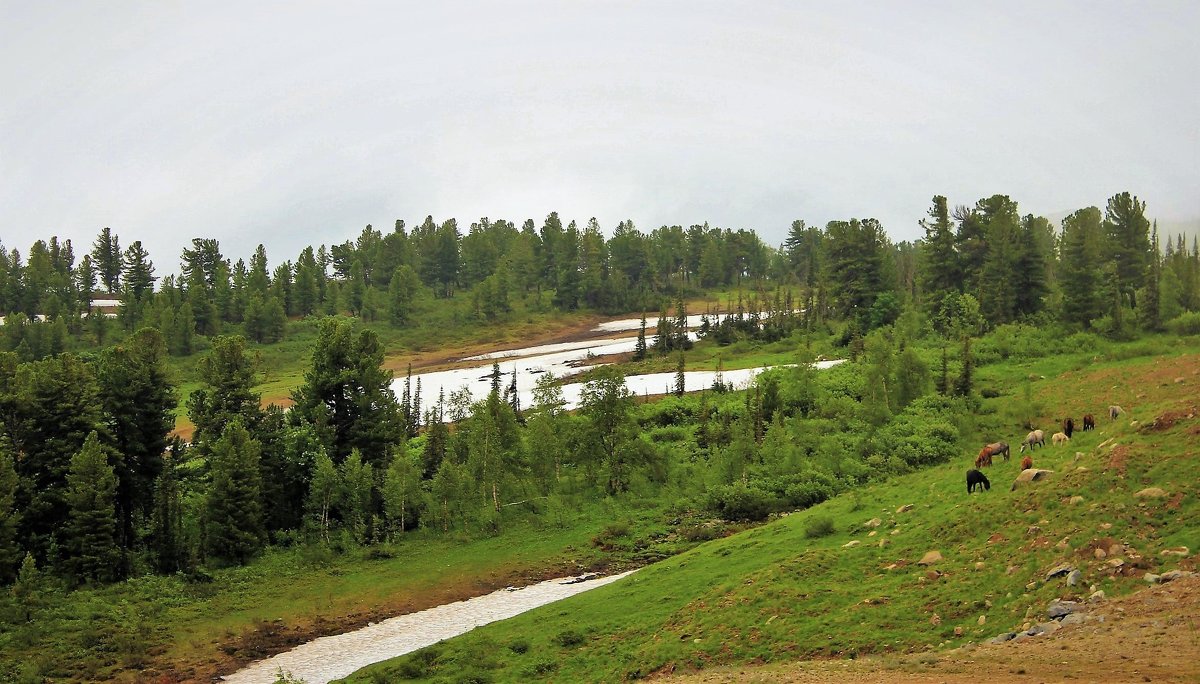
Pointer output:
x,y
778,593
130,630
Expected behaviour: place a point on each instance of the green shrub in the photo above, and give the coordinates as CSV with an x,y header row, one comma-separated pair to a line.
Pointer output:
x,y
742,502
820,526
568,638
519,646
1185,324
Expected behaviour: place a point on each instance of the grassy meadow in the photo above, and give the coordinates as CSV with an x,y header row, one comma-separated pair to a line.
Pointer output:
x,y
825,582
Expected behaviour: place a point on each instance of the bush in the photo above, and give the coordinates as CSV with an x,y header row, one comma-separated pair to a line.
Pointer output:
x,y
1185,324
519,646
568,639
820,526
742,502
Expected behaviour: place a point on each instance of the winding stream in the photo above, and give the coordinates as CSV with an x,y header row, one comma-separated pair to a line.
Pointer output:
x,y
334,657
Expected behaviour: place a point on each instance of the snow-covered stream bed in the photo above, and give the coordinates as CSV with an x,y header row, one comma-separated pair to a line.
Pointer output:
x,y
334,657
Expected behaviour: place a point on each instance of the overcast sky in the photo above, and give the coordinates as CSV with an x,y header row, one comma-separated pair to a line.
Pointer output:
x,y
298,123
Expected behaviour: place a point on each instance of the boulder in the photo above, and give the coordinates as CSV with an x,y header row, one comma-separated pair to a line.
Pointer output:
x,y
1074,619
1151,578
873,522
1058,610
1074,577
905,508
930,558
1177,551
1029,476
1100,554
1001,638
1150,493
1172,575
982,620
1076,499
1057,570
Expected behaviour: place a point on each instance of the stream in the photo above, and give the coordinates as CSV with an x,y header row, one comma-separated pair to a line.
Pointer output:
x,y
333,657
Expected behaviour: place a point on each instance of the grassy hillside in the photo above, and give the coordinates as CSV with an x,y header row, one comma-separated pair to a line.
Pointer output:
x,y
824,582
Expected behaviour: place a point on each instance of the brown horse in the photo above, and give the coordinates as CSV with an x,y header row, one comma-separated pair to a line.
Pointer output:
x,y
1089,422
993,449
1027,462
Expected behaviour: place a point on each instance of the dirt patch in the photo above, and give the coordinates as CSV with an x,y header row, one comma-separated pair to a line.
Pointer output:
x,y
1151,635
1167,420
1117,458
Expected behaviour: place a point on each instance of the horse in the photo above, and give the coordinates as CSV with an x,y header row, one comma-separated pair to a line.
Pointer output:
x,y
1059,438
1114,411
1036,437
1068,427
1027,462
977,479
987,452
1089,422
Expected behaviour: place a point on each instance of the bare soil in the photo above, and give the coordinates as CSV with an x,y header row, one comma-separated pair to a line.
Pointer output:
x,y
1148,636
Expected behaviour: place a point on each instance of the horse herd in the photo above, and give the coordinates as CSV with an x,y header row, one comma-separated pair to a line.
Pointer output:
x,y
977,480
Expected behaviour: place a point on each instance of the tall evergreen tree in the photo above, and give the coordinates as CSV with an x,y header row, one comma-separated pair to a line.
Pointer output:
x,y
106,253
1081,270
347,394
10,549
941,272
227,376
1128,243
233,509
90,545
166,523
1149,314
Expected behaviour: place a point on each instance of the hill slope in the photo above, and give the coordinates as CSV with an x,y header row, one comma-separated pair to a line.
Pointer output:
x,y
786,592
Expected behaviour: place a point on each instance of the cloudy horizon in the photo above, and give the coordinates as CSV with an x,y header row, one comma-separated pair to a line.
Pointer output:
x,y
295,124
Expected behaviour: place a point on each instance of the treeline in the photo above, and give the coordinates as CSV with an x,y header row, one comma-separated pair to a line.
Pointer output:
x,y
378,277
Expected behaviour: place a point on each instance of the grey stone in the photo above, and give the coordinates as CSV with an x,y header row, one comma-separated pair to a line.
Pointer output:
x,y
1060,609
1074,619
1172,575
1057,570
1001,638
1074,577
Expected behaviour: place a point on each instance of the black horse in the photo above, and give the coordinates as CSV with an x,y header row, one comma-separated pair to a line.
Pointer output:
x,y
1068,427
977,479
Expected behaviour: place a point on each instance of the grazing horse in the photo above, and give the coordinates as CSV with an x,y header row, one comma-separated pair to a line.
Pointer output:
x,y
1059,438
1114,411
1027,462
1089,422
1068,427
987,452
977,479
1036,437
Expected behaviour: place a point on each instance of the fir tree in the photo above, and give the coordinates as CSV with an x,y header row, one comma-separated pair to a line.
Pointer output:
x,y
90,543
233,511
10,550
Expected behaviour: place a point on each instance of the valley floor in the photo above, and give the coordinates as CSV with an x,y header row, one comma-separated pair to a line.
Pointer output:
x,y
1150,636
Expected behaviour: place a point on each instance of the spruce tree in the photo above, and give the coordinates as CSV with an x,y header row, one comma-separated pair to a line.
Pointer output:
x,y
166,523
639,349
10,550
227,374
941,272
233,510
1128,243
89,538
1080,271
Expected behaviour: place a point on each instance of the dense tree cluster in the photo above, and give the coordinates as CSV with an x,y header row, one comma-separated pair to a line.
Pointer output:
x,y
93,488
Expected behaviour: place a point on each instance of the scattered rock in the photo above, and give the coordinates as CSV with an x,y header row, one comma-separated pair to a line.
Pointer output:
x,y
1075,500
1116,549
1097,596
1172,575
1082,469
1063,544
1031,586
851,544
1079,455
1134,424
1179,380
1106,526
935,620
905,508
982,620
873,522
1074,577
933,575
1060,609
1177,551
872,533
1150,493
978,565
1074,619
1151,578
1100,554
1057,570
884,542
958,631
996,538
1116,563
930,558
1031,475
1001,638
1032,530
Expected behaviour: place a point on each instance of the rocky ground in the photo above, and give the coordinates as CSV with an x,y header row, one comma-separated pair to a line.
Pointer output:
x,y
1149,636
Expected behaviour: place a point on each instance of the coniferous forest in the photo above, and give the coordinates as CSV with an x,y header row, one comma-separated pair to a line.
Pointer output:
x,y
101,351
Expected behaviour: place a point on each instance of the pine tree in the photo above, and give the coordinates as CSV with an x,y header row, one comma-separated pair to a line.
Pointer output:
x,y
679,375
965,383
1128,243
166,523
941,274
1149,314
1081,272
639,349
106,253
347,394
227,374
92,554
10,550
233,510
401,293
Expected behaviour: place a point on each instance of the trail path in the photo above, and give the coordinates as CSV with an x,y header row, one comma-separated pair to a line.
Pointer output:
x,y
333,657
